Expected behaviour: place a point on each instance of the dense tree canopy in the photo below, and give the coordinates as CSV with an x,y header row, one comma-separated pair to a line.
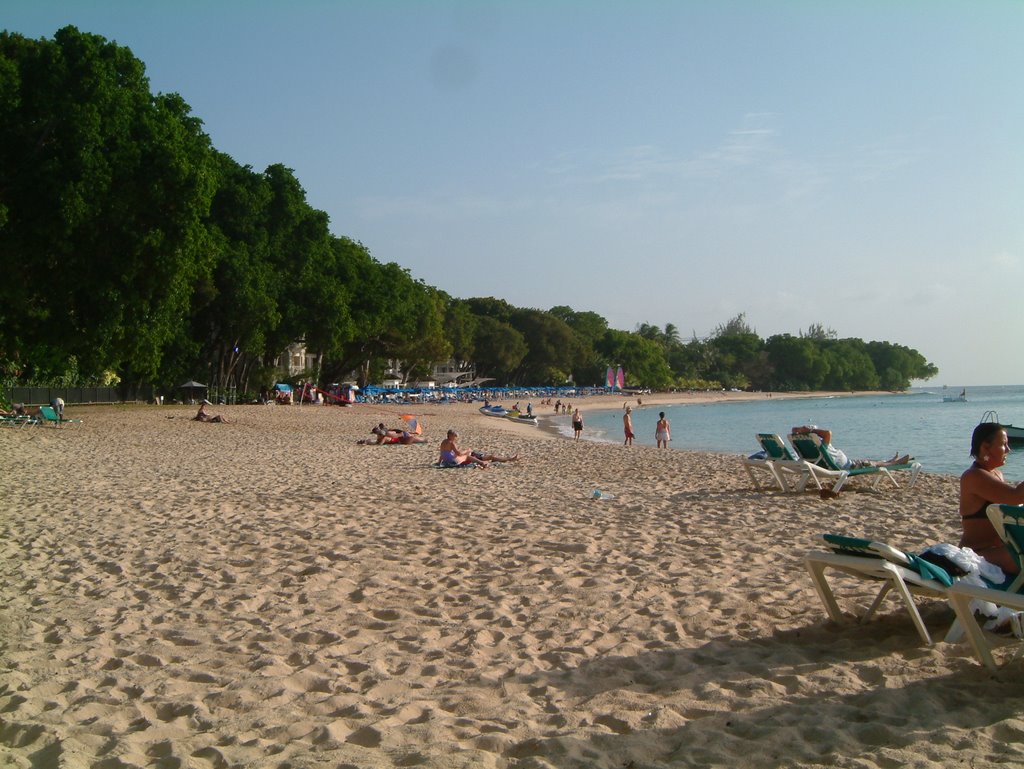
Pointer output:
x,y
103,194
148,256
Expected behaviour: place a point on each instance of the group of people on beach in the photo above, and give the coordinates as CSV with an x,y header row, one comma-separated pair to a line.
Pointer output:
x,y
389,436
450,454
981,485
662,430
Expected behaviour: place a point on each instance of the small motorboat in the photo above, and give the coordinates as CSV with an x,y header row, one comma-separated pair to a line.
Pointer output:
x,y
961,398
1015,435
494,411
515,416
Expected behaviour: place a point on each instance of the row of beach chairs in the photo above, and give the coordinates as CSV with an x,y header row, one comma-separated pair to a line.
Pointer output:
x,y
809,462
906,575
47,416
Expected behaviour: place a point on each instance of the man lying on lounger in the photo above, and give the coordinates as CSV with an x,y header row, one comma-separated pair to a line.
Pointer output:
x,y
839,456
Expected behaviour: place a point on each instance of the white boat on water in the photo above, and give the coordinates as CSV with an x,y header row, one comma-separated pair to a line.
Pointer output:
x,y
961,398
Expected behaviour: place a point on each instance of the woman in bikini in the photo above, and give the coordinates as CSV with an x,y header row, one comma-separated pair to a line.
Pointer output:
x,y
661,431
981,485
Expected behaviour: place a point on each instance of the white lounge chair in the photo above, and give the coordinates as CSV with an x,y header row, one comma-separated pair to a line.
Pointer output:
x,y
810,448
908,575
961,595
1008,521
779,463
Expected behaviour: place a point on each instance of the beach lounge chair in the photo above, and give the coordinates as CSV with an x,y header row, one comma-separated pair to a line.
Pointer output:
x,y
1008,521
961,595
20,420
907,574
48,415
779,462
811,449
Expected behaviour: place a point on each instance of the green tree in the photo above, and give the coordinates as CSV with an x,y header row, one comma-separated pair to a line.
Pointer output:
x,y
898,365
236,308
849,366
105,189
460,326
500,349
392,315
551,348
642,360
588,367
796,363
737,350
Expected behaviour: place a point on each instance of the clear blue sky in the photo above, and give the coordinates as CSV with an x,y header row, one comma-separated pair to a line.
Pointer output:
x,y
853,164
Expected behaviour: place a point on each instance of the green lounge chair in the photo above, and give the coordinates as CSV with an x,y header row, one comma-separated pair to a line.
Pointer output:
x,y
20,420
779,462
811,449
49,416
1008,521
907,574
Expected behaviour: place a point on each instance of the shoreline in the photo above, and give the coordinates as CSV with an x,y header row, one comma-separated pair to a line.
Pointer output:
x,y
544,421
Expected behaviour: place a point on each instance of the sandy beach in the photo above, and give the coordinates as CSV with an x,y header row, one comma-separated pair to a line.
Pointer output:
x,y
268,593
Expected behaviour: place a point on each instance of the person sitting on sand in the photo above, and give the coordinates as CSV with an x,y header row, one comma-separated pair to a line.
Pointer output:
x,y
839,456
202,416
981,485
452,456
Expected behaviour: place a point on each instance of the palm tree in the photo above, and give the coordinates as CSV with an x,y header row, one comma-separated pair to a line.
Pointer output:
x,y
671,335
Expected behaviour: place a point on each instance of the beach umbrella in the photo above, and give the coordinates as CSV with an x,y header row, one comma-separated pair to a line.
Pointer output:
x,y
412,424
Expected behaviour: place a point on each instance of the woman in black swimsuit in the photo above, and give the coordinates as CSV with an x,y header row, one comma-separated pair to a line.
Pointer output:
x,y
981,485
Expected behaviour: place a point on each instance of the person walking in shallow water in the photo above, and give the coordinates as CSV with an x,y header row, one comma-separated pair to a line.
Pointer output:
x,y
577,423
662,432
627,426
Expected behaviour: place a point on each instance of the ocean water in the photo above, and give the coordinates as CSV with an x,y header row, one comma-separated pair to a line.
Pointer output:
x,y
918,422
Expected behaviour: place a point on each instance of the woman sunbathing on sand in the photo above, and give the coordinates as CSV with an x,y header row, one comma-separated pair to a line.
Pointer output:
x,y
202,416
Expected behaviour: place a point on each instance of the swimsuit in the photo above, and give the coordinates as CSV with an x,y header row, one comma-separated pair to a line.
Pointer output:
x,y
980,515
577,425
982,537
661,435
448,458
